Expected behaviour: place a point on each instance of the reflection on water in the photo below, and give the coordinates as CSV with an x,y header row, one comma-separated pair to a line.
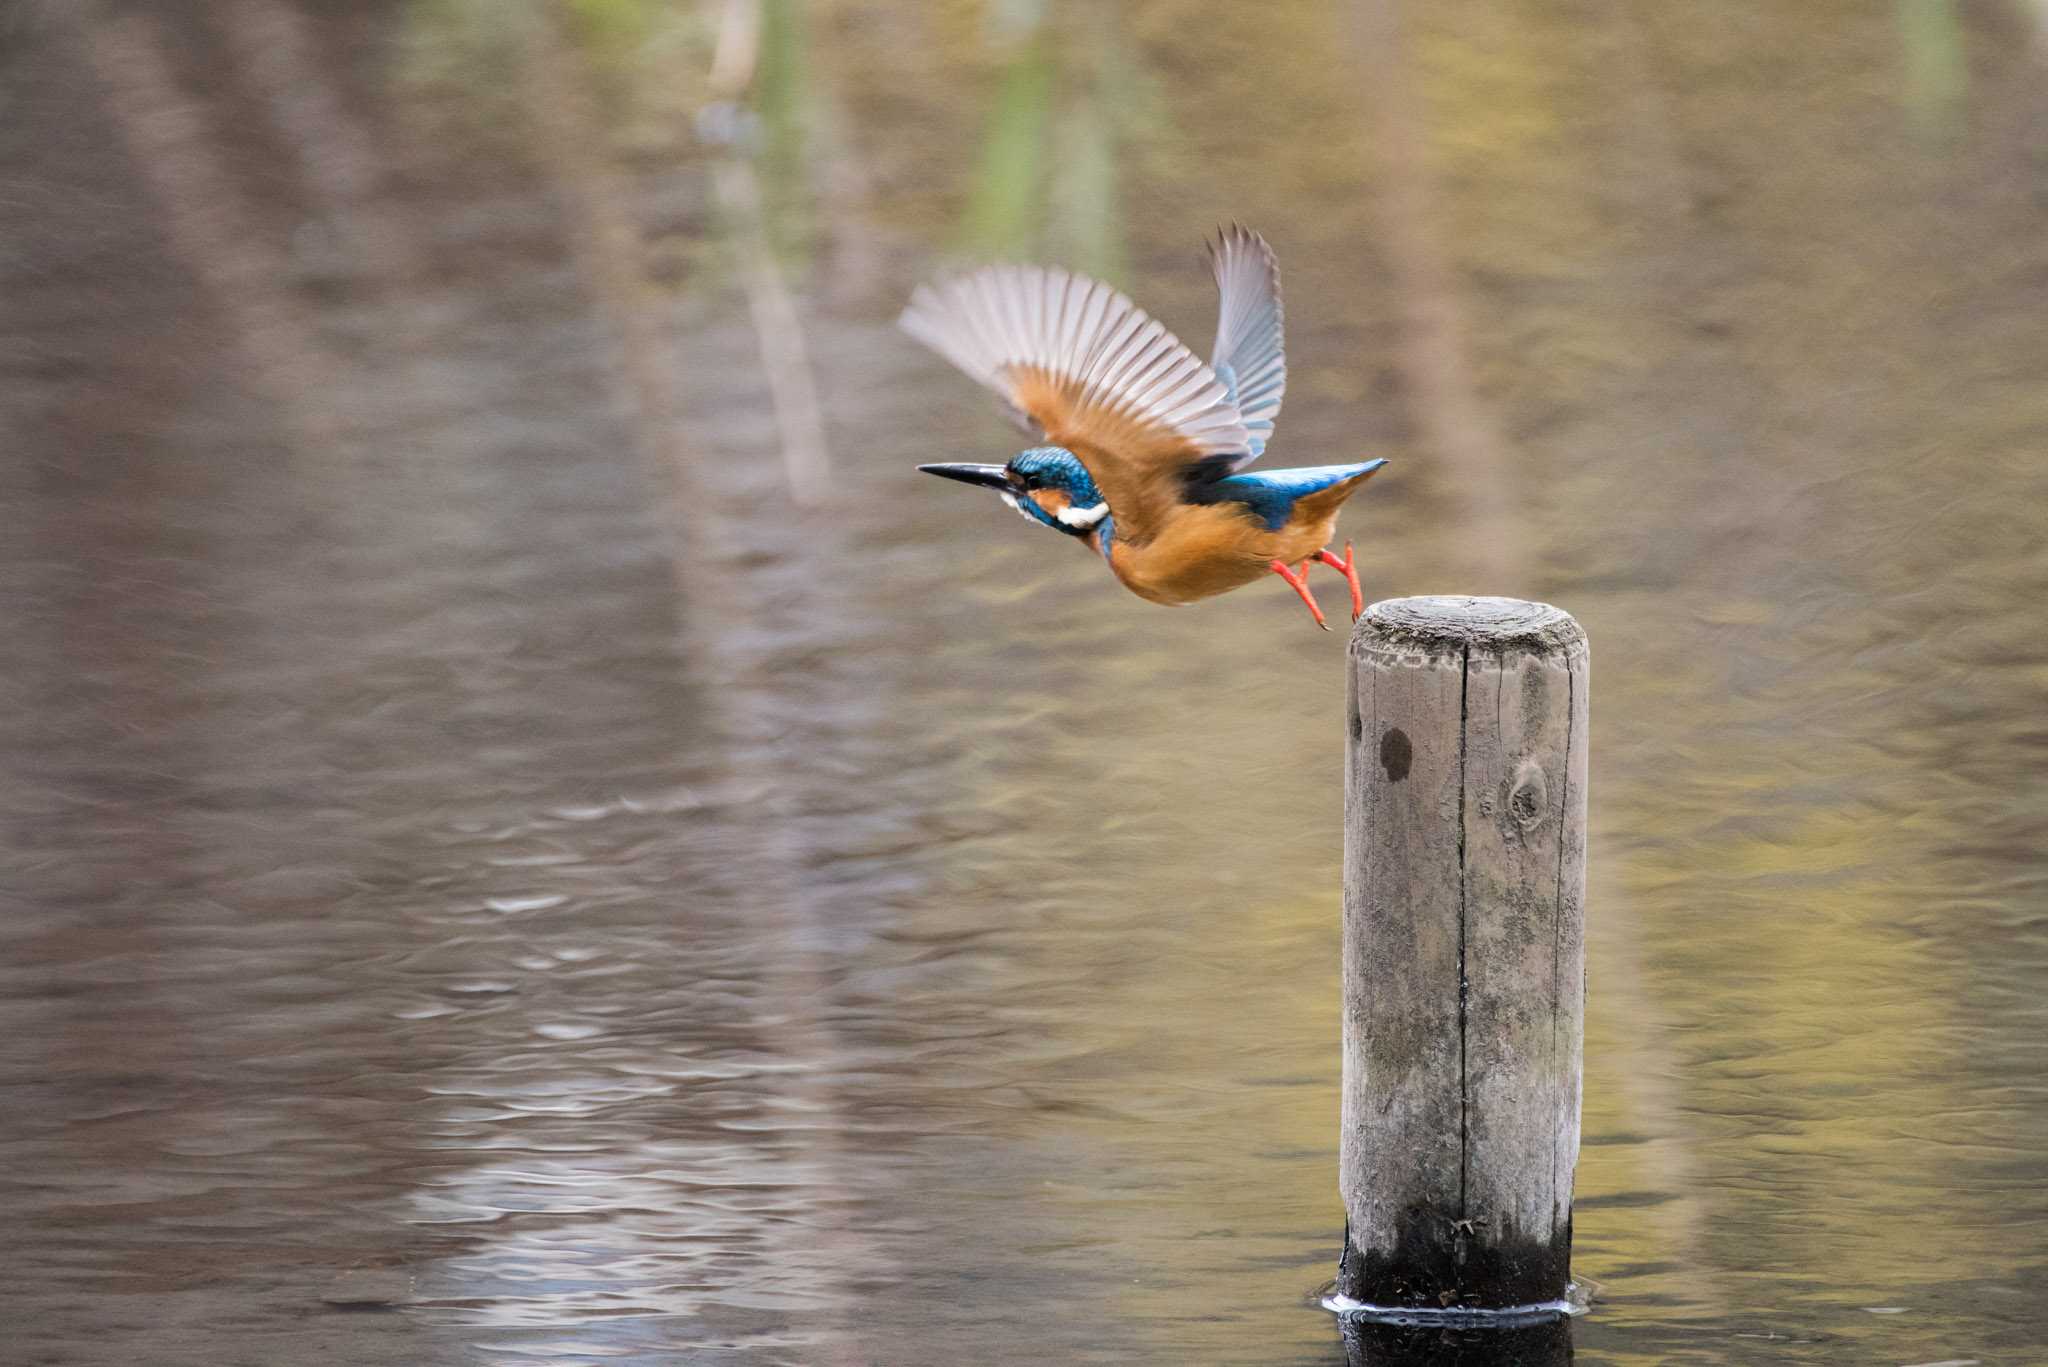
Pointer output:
x,y
463,823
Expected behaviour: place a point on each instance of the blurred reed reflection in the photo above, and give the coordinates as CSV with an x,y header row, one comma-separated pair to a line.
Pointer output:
x,y
465,819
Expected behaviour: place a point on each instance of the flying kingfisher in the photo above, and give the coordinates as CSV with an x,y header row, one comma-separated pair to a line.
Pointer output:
x,y
1143,447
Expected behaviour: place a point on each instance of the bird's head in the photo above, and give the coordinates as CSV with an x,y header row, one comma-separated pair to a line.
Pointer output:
x,y
1047,484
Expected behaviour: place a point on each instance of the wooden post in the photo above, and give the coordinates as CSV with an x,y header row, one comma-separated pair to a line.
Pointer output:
x,y
1464,953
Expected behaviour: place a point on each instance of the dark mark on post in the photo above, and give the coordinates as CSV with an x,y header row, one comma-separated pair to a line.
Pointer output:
x,y
1397,752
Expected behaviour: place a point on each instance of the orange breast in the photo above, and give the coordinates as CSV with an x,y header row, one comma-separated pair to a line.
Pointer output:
x,y
1207,549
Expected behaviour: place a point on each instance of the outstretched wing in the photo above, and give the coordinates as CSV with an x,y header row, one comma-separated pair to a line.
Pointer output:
x,y
1091,371
1250,357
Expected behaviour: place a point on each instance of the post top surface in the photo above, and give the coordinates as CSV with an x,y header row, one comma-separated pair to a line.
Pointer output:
x,y
1458,620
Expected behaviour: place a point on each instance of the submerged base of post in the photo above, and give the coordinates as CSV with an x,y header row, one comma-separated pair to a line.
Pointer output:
x,y
1464,961
1575,1301
1369,1344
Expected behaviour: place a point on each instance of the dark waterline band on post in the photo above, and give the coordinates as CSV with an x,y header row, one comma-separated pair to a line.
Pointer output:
x,y
1372,1343
1576,1301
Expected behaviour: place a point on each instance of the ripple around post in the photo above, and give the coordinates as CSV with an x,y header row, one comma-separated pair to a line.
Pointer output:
x,y
1576,1301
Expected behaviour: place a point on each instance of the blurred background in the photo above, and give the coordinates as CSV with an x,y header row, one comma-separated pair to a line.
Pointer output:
x,y
530,834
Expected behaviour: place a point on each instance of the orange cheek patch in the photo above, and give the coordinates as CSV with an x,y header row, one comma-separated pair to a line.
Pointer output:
x,y
1053,501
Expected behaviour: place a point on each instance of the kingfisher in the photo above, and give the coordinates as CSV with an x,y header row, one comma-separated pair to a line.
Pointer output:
x,y
1141,447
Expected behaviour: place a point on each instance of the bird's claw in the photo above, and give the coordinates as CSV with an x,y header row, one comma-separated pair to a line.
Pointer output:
x,y
1349,567
1298,581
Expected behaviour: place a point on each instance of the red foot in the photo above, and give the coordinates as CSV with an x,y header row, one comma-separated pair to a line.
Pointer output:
x,y
1350,569
1299,582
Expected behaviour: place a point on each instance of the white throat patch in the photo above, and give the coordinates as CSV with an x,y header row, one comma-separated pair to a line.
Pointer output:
x,y
1080,519
1084,517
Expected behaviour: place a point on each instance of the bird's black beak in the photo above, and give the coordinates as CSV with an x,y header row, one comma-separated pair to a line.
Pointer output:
x,y
988,476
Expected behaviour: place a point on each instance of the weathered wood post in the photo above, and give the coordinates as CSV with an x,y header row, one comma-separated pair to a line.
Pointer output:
x,y
1464,954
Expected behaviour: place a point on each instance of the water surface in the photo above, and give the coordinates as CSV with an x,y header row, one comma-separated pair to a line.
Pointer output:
x,y
491,879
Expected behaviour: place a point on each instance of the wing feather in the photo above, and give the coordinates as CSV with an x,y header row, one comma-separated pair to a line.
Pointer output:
x,y
1250,353
1081,360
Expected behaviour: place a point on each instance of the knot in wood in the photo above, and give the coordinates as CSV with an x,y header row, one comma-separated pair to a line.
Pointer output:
x,y
1529,797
